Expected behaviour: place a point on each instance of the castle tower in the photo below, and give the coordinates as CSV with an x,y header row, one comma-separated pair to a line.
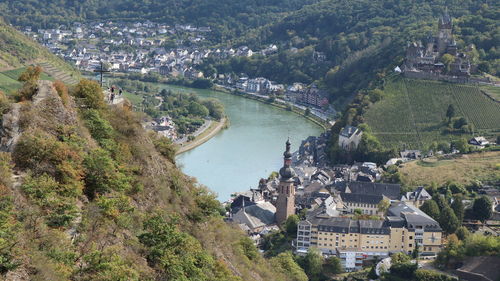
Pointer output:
x,y
285,204
445,36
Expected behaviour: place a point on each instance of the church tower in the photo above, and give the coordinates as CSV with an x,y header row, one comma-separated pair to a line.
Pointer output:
x,y
445,36
285,204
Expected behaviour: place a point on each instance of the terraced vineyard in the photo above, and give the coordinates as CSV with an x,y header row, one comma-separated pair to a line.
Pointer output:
x,y
9,83
412,112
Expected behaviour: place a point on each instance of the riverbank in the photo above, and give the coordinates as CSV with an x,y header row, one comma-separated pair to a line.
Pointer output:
x,y
324,124
207,134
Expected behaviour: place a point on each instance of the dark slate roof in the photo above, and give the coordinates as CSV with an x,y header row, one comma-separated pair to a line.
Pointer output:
x,y
391,191
346,225
361,198
414,217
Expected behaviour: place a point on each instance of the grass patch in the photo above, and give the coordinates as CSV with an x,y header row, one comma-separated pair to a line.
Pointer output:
x,y
482,166
492,90
8,85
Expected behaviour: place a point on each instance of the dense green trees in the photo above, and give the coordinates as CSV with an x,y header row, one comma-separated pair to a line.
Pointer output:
x,y
286,264
482,208
431,208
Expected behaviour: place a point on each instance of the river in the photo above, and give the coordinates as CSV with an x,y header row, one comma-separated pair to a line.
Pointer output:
x,y
251,148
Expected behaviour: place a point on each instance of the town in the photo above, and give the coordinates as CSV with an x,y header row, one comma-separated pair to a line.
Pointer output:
x,y
345,211
171,52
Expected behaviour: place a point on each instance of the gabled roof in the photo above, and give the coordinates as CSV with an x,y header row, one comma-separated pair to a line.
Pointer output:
x,y
349,131
258,215
361,198
391,191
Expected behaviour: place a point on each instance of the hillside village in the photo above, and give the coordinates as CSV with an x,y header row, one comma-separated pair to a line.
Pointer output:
x,y
168,51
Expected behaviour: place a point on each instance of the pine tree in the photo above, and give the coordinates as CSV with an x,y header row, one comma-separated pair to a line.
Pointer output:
x,y
448,220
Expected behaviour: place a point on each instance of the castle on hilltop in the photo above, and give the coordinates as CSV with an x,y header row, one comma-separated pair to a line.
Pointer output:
x,y
424,60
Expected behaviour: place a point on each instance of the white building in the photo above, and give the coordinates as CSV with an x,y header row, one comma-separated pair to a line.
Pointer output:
x,y
349,138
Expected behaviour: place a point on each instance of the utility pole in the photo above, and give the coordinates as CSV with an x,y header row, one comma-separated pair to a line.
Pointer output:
x,y
101,71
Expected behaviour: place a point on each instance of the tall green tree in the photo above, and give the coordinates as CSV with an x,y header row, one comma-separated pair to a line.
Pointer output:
x,y
312,263
431,208
482,208
448,220
332,265
458,208
450,112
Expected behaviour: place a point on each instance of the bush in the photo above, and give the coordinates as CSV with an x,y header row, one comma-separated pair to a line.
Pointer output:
x,y
62,91
102,174
165,147
90,94
100,128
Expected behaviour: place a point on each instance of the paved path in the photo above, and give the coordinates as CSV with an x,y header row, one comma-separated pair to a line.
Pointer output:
x,y
197,142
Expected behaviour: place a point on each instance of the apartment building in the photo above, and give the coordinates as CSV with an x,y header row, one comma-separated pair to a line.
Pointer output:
x,y
357,240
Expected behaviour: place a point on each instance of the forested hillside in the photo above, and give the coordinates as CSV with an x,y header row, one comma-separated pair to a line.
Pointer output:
x,y
363,40
227,18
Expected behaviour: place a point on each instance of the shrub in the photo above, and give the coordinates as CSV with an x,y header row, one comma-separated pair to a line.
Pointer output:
x,y
62,91
90,93
31,74
100,128
165,147
102,174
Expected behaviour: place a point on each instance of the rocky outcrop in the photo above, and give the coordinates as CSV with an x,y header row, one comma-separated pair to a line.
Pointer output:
x,y
9,129
46,111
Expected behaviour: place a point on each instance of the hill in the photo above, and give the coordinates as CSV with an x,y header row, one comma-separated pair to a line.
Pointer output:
x,y
227,18
87,194
413,112
17,51
464,169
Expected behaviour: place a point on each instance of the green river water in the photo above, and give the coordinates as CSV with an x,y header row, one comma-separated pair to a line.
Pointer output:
x,y
251,148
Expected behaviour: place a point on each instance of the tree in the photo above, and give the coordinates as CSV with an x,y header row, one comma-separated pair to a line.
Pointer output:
x,y
448,221
31,74
91,94
398,258
307,112
285,263
372,275
312,263
450,112
482,208
458,208
447,59
415,254
332,265
197,109
290,225
431,208
383,205
462,233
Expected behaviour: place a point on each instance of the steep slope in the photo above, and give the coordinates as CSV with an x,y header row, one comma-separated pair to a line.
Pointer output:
x,y
16,50
90,195
228,18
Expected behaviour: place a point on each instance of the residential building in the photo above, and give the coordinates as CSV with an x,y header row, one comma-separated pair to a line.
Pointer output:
x,y
417,197
355,240
368,204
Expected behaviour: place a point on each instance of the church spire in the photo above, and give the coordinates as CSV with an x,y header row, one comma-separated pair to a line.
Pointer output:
x,y
286,172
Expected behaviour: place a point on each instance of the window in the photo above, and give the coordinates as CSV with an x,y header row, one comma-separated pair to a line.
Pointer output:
x,y
410,245
336,243
411,237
